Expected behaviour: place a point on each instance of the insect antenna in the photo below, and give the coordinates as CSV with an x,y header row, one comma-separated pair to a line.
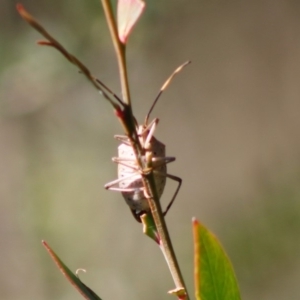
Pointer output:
x,y
164,86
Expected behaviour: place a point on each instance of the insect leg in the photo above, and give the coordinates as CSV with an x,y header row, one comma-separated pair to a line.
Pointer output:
x,y
111,185
175,178
123,139
127,162
150,128
158,161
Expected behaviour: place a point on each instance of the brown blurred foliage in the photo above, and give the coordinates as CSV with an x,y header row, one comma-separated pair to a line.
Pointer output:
x,y
231,118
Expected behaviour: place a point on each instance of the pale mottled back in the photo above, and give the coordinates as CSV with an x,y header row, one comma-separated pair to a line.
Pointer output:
x,y
136,199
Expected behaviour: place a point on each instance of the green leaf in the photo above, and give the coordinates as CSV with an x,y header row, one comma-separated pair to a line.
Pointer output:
x,y
149,227
85,291
214,275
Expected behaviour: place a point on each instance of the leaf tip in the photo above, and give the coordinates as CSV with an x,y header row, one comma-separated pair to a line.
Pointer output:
x,y
195,221
44,243
20,7
129,11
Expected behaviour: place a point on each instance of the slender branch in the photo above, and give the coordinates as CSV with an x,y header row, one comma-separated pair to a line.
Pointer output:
x,y
52,42
127,119
165,242
119,48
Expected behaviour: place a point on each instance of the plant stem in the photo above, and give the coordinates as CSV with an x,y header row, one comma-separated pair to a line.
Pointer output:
x,y
165,242
147,173
120,50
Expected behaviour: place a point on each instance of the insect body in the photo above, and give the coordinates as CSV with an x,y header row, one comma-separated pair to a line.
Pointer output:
x,y
128,170
130,181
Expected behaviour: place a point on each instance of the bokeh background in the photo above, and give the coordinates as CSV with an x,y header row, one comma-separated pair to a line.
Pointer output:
x,y
231,118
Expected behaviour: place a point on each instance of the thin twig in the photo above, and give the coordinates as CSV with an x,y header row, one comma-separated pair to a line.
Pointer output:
x,y
119,48
52,42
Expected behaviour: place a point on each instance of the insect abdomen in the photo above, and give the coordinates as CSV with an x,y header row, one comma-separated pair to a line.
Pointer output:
x,y
133,188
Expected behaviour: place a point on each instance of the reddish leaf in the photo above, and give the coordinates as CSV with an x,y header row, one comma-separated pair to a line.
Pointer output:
x,y
128,12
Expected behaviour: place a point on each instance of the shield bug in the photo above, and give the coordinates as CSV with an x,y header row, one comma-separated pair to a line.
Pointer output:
x,y
129,181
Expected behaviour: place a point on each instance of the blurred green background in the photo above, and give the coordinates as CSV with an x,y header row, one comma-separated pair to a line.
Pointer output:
x,y
231,118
